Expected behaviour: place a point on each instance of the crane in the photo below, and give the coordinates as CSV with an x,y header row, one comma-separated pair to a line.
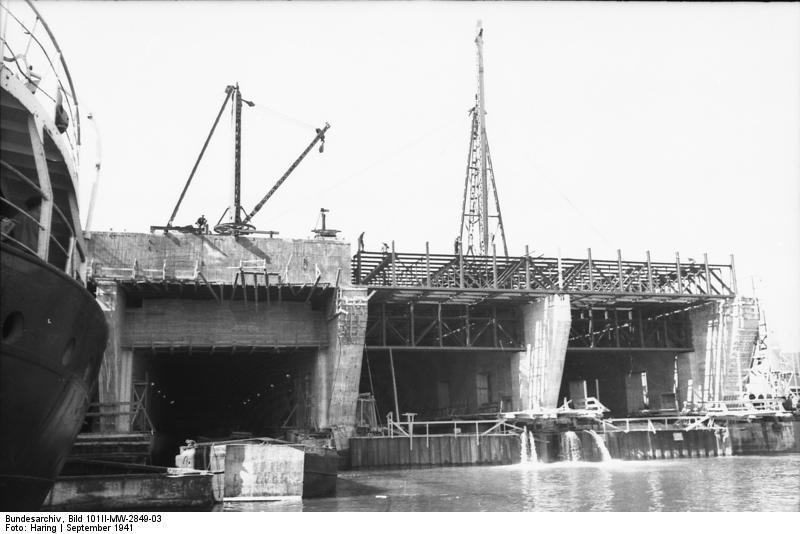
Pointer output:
x,y
237,225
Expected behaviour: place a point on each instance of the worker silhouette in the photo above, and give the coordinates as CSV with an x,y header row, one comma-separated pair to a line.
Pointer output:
x,y
361,242
202,225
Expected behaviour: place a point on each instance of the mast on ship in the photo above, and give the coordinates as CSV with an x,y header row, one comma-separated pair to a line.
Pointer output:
x,y
479,185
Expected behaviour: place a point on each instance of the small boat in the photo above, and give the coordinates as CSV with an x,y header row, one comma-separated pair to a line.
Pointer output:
x,y
54,332
225,458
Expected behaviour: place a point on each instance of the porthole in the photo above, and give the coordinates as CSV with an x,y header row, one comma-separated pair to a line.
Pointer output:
x,y
13,326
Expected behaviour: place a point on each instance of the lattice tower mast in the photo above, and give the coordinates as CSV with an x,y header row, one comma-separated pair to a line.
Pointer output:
x,y
480,184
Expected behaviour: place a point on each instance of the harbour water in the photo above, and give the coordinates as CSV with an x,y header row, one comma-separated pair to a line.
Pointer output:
x,y
724,484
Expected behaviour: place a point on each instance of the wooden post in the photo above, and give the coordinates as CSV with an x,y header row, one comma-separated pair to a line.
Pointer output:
x,y
439,322
394,385
733,276
411,321
427,264
394,268
560,272
527,268
461,265
383,323
494,266
494,326
466,324
358,266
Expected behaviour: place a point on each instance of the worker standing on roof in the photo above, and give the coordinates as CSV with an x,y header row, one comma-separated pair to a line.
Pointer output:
x,y
202,225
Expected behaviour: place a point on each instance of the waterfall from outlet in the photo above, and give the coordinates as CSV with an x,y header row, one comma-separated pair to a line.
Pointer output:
x,y
527,448
601,446
533,457
523,447
570,447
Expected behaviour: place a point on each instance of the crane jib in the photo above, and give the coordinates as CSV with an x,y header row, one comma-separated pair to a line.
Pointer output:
x,y
320,137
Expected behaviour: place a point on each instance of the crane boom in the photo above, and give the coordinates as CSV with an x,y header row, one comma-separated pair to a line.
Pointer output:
x,y
228,92
319,137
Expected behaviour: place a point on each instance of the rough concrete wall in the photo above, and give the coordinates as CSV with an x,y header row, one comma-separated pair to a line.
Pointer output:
x,y
536,373
115,378
723,338
337,373
196,323
741,323
298,261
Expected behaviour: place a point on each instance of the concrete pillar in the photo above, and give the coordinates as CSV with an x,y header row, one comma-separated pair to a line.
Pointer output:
x,y
115,379
723,337
536,373
337,370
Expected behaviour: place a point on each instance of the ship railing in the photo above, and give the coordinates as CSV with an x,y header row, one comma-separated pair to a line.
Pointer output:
x,y
652,424
31,52
23,217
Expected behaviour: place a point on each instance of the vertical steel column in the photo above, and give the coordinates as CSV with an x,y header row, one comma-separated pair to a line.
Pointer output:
x,y
591,274
649,274
708,273
678,272
733,276
619,268
591,327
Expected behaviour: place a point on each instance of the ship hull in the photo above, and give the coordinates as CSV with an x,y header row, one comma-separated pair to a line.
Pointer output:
x,y
54,335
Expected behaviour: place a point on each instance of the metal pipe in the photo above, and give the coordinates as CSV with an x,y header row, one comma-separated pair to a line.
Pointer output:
x,y
228,91
394,383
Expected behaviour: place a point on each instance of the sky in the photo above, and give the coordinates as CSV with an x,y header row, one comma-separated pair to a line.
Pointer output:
x,y
662,127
